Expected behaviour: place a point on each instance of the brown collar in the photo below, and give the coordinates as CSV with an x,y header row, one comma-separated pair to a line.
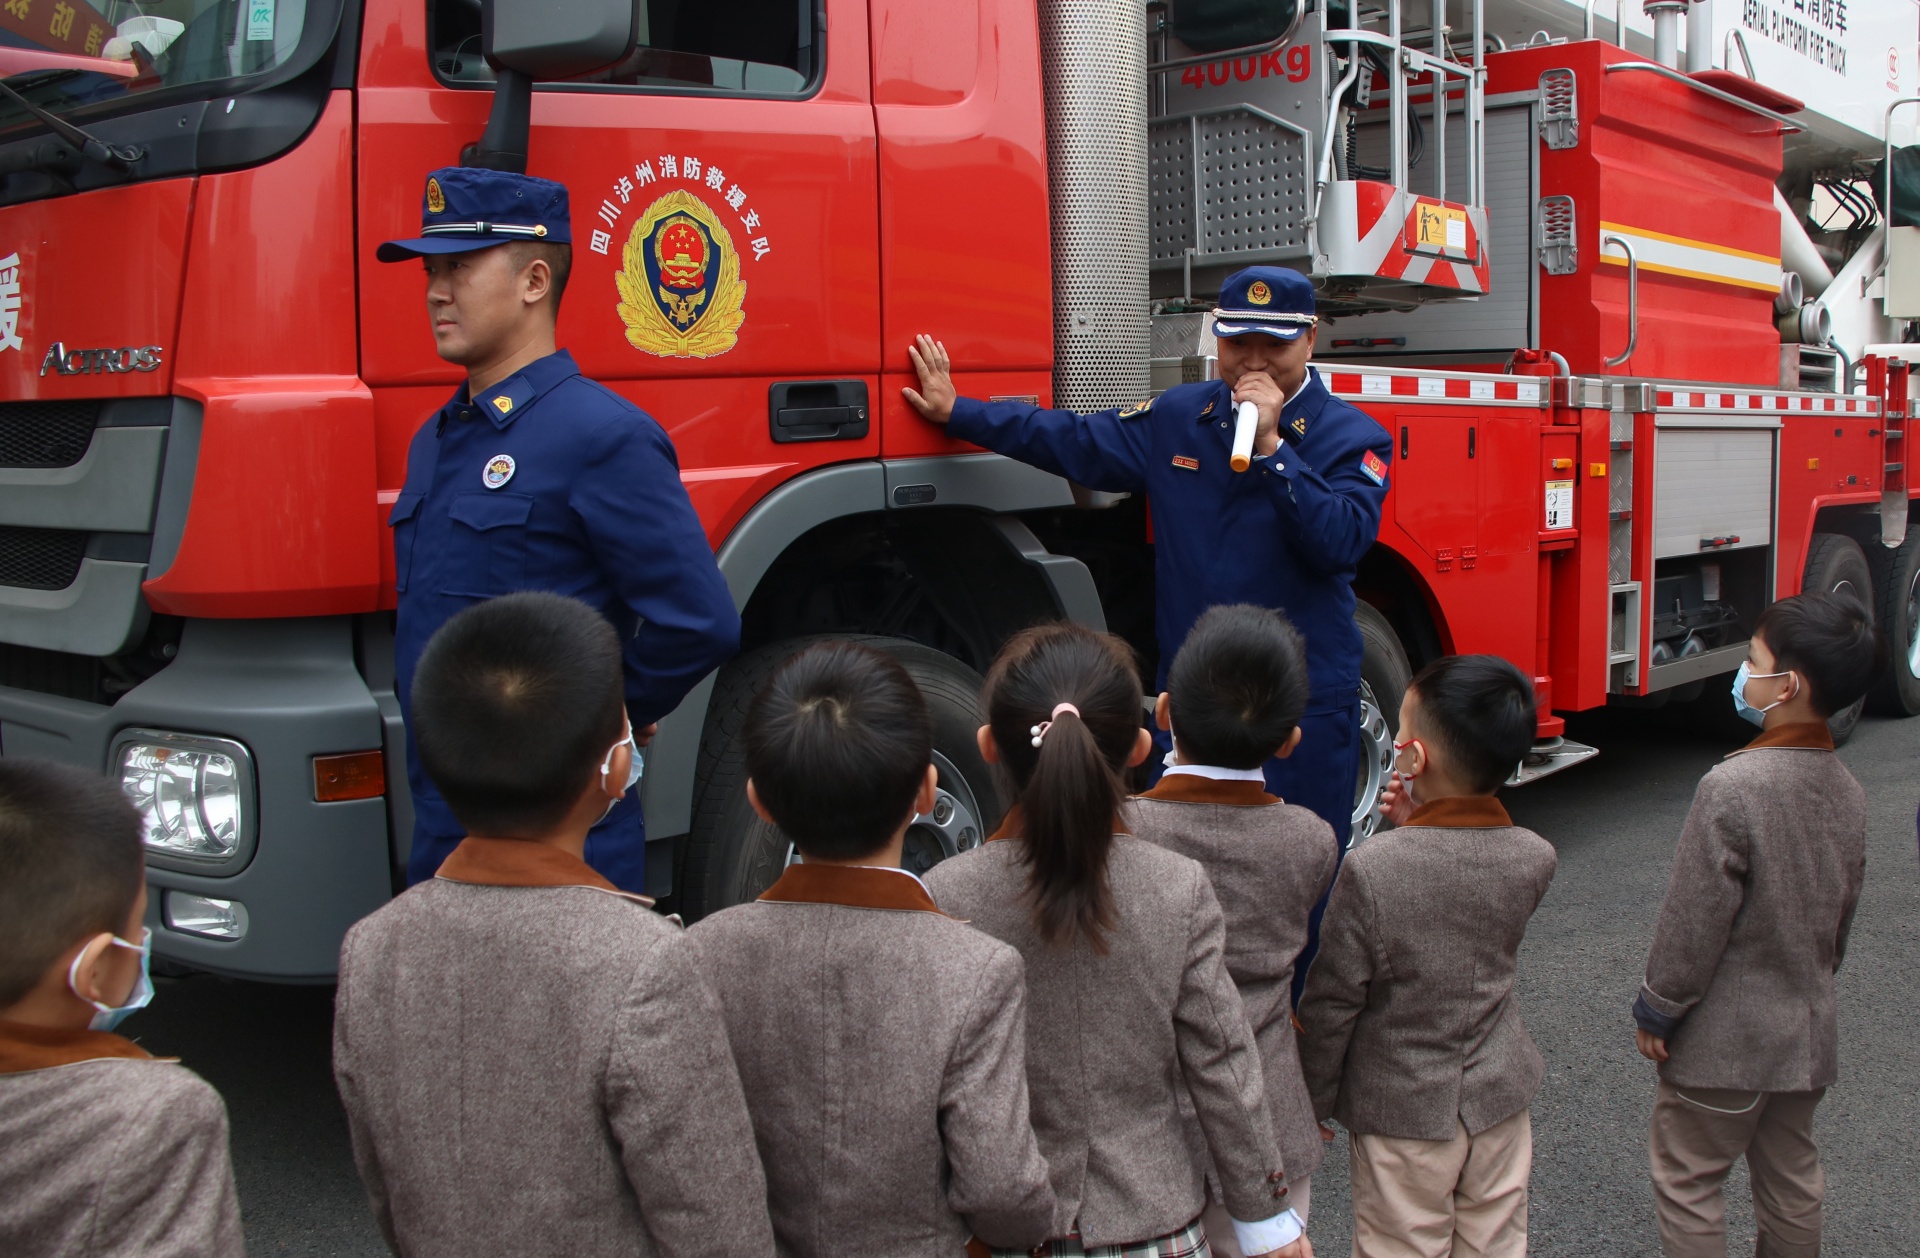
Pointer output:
x,y
520,863
26,1047
1806,735
1461,812
1014,824
856,886
1191,788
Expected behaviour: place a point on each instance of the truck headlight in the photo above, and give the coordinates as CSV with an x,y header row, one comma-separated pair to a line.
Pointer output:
x,y
195,795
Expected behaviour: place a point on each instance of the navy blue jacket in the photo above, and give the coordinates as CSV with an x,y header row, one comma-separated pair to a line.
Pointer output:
x,y
593,508
1288,533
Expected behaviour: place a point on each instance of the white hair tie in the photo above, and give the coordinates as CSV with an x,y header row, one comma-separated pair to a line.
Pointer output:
x,y
1040,731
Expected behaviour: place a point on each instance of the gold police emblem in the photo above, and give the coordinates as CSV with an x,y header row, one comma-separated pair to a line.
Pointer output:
x,y
436,199
1258,293
681,295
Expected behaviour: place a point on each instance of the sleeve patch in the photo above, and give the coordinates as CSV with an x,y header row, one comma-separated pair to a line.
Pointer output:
x,y
1375,468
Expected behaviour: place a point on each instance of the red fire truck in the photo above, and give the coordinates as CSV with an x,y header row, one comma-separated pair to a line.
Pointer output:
x,y
1556,278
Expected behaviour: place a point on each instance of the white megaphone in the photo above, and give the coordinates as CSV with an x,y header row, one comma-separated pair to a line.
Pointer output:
x,y
1246,418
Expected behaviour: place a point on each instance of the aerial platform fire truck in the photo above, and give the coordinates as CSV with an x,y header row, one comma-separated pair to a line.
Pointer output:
x,y
1626,288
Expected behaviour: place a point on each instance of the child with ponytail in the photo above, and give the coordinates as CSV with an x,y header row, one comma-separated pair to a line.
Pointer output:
x,y
1128,991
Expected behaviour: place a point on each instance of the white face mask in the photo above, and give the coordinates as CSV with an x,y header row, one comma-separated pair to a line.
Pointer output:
x,y
109,1016
635,767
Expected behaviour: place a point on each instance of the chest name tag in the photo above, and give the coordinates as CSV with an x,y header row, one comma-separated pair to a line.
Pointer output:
x,y
498,471
1187,461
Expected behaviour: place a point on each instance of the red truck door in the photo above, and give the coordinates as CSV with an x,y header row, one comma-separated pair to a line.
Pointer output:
x,y
737,145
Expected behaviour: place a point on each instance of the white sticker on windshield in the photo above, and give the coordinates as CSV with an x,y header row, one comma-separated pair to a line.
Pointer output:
x,y
260,20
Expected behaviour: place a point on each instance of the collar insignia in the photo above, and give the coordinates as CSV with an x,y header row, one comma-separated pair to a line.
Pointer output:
x,y
503,404
1299,426
1205,411
1138,408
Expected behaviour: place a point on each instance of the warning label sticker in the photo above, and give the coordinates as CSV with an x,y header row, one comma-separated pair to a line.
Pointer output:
x,y
1559,504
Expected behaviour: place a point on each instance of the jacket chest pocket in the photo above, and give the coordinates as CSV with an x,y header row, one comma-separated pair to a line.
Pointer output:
x,y
487,544
404,525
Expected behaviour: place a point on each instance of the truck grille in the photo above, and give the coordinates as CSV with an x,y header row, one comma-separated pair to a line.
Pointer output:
x,y
45,434
41,559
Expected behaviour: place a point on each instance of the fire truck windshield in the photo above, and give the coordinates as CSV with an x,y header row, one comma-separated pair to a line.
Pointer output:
x,y
144,48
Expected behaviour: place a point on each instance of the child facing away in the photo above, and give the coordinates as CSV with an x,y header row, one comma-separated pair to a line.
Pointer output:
x,y
103,1148
1236,691
882,1044
1738,1006
530,1060
1412,1038
1128,992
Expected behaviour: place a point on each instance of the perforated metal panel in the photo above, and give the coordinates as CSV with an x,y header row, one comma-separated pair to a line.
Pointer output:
x,y
1094,65
1231,184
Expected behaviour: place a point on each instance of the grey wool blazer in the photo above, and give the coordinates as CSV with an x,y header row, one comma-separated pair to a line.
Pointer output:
x,y
106,1150
1755,922
1111,1038
532,1064
882,1046
1411,1024
1269,863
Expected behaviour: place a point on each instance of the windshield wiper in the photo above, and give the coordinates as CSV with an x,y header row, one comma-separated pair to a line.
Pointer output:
x,y
122,156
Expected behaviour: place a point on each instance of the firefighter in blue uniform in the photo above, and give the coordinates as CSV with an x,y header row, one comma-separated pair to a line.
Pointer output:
x,y
1287,533
535,478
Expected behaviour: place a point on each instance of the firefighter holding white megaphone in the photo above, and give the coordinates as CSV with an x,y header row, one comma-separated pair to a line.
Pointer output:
x,y
1277,512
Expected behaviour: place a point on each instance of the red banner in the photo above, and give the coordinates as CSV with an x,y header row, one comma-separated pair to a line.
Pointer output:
x,y
71,26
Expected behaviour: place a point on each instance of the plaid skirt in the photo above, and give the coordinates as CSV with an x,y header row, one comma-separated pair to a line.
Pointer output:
x,y
1189,1242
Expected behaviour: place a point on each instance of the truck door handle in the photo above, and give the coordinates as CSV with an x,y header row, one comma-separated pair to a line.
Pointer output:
x,y
817,410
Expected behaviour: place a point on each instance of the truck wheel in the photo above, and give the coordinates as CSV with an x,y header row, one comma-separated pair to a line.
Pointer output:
x,y
732,855
1896,580
1384,673
1836,563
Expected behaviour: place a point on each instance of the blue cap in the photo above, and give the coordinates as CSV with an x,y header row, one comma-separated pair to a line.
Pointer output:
x,y
465,208
1270,299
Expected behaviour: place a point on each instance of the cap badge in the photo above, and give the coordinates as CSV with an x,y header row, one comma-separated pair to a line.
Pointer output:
x,y
1258,294
499,471
436,199
680,288
503,404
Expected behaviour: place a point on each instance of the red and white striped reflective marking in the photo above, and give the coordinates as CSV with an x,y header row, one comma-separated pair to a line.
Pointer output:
x,y
1418,386
1788,403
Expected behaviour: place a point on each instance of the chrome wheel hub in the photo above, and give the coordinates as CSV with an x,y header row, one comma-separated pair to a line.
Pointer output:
x,y
1376,767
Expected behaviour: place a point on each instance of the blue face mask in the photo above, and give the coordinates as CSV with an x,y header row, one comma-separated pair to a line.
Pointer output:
x,y
110,1016
635,767
1740,679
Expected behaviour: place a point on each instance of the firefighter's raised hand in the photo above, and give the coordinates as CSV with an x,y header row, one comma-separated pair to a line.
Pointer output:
x,y
935,399
1264,392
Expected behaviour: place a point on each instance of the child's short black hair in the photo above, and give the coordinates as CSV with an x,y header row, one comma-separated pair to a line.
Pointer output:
x,y
71,865
515,703
1482,709
1237,687
838,743
1830,640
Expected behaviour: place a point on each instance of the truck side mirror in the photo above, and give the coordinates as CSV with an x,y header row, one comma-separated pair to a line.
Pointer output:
x,y
524,40
558,39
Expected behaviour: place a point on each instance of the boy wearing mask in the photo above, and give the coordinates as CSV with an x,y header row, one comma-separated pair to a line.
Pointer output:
x,y
882,1044
530,1061
104,1148
1412,1038
1738,1007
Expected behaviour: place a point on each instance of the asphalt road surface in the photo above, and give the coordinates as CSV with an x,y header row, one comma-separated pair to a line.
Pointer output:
x,y
1614,821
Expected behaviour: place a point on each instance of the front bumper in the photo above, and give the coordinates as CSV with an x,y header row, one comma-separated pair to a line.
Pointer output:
x,y
288,690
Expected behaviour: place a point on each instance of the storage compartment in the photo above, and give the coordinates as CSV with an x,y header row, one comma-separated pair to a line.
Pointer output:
x,y
1712,490
1703,610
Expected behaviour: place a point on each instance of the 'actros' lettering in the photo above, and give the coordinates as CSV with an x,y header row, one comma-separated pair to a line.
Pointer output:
x,y
91,362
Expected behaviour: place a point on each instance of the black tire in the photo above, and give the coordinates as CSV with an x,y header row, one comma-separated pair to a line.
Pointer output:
x,y
1384,673
732,855
1836,563
1896,583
